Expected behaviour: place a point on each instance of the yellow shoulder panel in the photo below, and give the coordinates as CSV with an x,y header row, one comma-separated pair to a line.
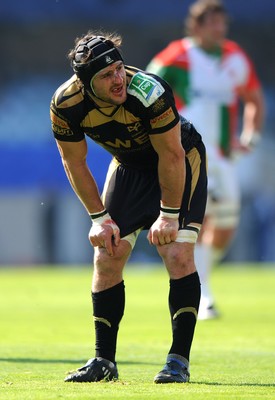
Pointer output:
x,y
68,94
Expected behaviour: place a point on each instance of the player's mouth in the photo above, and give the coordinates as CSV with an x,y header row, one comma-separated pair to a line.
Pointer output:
x,y
118,90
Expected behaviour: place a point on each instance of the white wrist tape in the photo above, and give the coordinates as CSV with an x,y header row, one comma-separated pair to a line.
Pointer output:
x,y
101,218
169,212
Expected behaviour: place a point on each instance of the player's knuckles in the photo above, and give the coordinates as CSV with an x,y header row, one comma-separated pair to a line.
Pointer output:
x,y
115,228
174,236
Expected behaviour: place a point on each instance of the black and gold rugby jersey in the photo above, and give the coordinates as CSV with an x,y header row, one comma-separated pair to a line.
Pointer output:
x,y
122,130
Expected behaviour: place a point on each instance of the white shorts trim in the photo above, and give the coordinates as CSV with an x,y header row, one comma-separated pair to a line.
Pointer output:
x,y
132,237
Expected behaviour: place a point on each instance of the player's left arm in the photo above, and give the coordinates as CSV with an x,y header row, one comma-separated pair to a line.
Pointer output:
x,y
253,116
171,165
171,172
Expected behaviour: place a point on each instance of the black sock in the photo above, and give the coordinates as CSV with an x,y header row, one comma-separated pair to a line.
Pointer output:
x,y
108,308
184,300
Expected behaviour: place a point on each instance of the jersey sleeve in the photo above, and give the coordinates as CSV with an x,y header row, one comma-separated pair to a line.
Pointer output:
x,y
174,56
172,65
253,81
65,114
156,101
244,70
163,113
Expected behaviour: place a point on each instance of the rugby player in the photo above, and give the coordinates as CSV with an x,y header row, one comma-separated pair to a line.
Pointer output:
x,y
209,74
156,181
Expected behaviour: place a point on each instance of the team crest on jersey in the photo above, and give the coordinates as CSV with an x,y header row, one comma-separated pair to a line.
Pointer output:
x,y
145,88
159,105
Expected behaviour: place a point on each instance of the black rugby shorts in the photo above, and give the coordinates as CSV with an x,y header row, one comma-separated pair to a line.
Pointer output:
x,y
132,196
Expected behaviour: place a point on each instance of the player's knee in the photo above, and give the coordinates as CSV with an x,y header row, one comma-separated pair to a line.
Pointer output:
x,y
120,255
178,259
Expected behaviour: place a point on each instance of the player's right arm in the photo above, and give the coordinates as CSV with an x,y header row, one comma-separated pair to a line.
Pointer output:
x,y
250,93
253,116
73,155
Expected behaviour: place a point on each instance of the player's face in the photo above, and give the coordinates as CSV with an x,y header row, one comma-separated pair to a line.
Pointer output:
x,y
212,30
110,84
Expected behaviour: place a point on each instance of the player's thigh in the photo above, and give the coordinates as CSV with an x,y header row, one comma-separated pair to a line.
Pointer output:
x,y
223,203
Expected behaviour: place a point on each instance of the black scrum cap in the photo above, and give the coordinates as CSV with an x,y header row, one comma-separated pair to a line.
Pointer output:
x,y
103,53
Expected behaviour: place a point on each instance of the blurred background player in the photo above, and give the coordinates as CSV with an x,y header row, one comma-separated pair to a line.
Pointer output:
x,y
209,74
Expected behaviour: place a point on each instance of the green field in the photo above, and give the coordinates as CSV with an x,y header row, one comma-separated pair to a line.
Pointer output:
x,y
47,330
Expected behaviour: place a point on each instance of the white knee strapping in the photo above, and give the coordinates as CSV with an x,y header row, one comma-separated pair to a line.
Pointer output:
x,y
224,214
188,235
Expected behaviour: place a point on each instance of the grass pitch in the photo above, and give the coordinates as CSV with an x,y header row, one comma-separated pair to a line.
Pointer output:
x,y
47,330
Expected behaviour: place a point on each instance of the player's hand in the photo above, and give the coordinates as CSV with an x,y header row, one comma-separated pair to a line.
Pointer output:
x,y
163,231
250,140
105,233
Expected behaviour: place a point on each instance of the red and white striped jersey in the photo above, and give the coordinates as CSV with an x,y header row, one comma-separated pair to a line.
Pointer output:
x,y
206,86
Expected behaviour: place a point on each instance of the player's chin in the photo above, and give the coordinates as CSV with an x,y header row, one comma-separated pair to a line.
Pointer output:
x,y
120,100
119,97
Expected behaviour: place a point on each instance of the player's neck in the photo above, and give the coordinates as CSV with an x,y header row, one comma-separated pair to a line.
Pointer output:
x,y
208,46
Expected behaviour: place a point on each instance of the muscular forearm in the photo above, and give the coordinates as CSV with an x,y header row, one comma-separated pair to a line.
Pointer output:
x,y
254,112
253,118
171,166
84,185
172,181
